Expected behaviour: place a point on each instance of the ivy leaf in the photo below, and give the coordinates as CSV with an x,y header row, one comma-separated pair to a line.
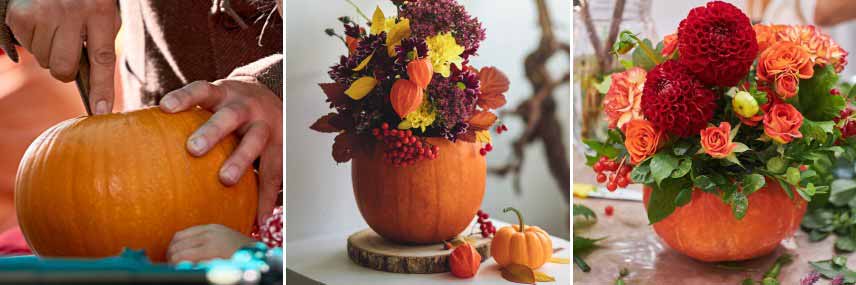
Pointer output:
x,y
662,165
752,183
739,203
845,243
683,168
813,99
843,192
812,130
642,174
585,212
684,197
662,201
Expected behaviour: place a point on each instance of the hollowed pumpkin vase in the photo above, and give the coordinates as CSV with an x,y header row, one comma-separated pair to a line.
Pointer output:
x,y
706,229
426,202
90,186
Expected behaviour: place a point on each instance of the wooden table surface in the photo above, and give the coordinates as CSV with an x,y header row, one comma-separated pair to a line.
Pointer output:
x,y
630,242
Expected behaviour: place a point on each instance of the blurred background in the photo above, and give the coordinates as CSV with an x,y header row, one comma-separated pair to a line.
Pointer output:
x,y
319,195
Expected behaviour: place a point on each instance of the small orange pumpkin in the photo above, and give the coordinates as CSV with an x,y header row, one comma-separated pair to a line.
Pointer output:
x,y
521,244
427,202
420,71
464,261
90,186
405,97
706,229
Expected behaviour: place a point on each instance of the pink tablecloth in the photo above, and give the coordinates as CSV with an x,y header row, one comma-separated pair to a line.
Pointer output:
x,y
12,243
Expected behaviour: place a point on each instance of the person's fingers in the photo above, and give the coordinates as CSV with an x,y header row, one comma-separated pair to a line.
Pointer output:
x,y
200,93
20,22
42,42
252,144
100,44
189,232
223,122
192,254
270,177
177,246
65,52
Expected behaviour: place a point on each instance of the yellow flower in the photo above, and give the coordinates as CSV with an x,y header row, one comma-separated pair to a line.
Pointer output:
x,y
419,119
443,52
361,87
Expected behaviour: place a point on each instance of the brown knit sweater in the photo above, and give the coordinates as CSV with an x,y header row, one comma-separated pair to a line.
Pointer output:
x,y
168,44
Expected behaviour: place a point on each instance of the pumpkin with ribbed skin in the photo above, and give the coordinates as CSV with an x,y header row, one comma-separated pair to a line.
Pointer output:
x,y
90,186
706,229
521,244
427,202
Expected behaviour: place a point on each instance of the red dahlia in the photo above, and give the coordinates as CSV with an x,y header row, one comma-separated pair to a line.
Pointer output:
x,y
717,42
675,101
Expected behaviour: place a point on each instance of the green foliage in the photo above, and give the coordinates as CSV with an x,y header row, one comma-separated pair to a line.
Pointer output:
x,y
583,211
820,131
661,204
813,99
834,267
662,165
643,59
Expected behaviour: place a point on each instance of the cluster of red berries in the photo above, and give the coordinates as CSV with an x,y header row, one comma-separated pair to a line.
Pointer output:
x,y
485,226
619,176
501,128
402,147
484,150
834,91
849,127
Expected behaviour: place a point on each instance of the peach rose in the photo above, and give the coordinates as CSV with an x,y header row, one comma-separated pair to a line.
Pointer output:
x,y
642,140
716,141
623,101
782,123
785,61
670,42
767,35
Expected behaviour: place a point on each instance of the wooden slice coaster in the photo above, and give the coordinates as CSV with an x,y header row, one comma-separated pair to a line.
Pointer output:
x,y
369,249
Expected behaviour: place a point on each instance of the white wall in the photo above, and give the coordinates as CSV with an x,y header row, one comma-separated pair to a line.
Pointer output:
x,y
319,198
668,14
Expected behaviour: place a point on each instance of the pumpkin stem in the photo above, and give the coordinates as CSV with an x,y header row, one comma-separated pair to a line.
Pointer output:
x,y
519,216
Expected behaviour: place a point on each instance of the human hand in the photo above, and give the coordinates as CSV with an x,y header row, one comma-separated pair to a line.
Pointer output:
x,y
242,105
205,242
54,31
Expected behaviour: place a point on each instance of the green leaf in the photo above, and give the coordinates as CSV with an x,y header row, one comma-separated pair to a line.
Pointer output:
x,y
776,165
739,203
586,212
752,183
661,204
845,243
684,197
705,183
843,192
786,188
642,174
819,131
662,165
582,244
681,148
627,64
603,86
683,168
741,147
792,176
601,148
641,59
813,99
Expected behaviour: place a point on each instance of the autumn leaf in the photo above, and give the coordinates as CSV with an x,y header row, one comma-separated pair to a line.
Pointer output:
x,y
518,274
364,63
323,124
342,148
493,83
335,94
559,260
469,136
543,277
361,87
482,120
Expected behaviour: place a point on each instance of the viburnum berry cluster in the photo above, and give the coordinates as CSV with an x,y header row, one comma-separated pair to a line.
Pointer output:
x,y
612,173
402,147
485,225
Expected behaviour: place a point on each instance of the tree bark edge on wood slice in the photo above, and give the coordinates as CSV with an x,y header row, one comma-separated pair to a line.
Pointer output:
x,y
368,249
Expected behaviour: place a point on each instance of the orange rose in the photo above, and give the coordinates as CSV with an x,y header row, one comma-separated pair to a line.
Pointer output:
x,y
641,140
766,35
716,141
785,61
782,123
623,101
670,42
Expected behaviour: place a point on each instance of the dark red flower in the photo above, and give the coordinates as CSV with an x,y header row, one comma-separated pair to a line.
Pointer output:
x,y
717,43
675,101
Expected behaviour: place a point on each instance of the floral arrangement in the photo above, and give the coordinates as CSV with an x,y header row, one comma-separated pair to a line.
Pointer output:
x,y
724,106
407,78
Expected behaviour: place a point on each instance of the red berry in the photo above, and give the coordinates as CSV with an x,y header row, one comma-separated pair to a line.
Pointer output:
x,y
488,147
598,167
622,181
483,152
601,178
834,91
803,167
611,186
609,210
409,133
384,126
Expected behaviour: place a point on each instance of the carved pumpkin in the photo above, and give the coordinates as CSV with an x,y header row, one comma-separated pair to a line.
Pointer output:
x,y
521,244
705,228
90,186
426,202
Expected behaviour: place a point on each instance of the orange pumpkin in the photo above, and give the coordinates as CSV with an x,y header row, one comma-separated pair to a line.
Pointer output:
x,y
90,186
464,261
427,202
705,228
521,244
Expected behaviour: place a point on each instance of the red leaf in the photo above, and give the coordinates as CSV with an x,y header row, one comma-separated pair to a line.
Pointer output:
x,y
469,136
482,120
493,83
342,148
324,125
335,94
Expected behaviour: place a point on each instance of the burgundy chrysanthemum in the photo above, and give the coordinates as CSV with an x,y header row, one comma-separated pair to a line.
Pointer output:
x,y
455,104
429,18
675,101
717,43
